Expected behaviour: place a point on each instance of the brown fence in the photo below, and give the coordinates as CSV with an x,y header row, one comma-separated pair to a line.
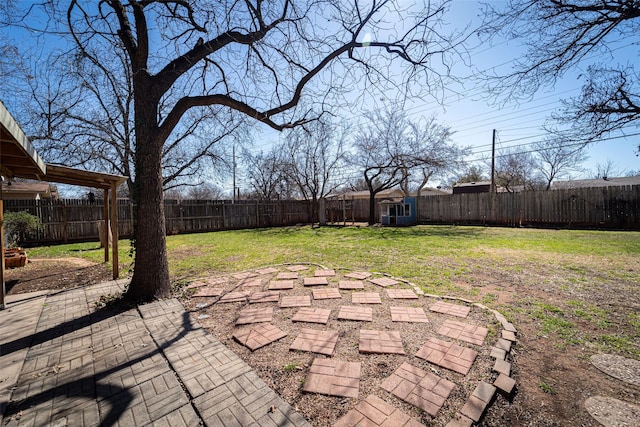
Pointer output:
x,y
605,207
72,220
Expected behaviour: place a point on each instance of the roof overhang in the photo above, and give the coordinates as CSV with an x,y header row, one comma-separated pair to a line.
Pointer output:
x,y
19,159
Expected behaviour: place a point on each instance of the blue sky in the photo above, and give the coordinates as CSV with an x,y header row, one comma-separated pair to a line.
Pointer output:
x,y
472,116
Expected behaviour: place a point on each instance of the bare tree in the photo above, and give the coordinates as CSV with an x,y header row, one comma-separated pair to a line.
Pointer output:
x,y
557,160
606,169
313,158
257,58
266,175
515,169
391,150
565,35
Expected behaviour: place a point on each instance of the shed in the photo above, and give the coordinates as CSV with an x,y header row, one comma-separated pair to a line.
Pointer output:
x,y
472,187
398,211
19,159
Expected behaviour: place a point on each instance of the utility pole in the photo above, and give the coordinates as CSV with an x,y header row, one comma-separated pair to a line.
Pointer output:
x,y
493,163
234,173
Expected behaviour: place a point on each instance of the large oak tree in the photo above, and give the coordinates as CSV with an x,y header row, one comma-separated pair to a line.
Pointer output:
x,y
259,58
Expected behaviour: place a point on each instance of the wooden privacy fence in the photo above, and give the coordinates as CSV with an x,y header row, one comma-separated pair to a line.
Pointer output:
x,y
73,220
597,207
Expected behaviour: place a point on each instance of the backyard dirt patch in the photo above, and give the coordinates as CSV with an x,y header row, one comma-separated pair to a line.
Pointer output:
x,y
54,274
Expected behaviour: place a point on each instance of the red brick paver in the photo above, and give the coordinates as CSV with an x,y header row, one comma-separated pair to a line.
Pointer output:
x,y
295,301
327,293
366,298
451,309
235,297
478,401
252,283
259,335
264,296
361,314
380,342
297,268
255,315
420,388
401,294
287,275
448,355
314,341
359,275
324,273
333,377
463,331
312,315
245,275
212,281
375,412
384,281
209,292
281,285
350,284
315,281
408,314
268,270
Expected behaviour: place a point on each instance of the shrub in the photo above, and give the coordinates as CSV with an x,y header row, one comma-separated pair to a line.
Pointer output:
x,y
19,225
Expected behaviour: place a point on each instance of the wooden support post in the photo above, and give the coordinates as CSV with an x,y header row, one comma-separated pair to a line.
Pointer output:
x,y
105,230
3,290
114,232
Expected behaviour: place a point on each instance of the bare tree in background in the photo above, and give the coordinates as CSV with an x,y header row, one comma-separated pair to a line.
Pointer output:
x,y
314,160
566,35
257,58
266,175
515,169
391,151
556,160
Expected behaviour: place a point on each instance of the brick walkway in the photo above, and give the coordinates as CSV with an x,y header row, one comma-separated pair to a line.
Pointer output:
x,y
150,365
64,363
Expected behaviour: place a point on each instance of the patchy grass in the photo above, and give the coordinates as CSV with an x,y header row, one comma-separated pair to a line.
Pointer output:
x,y
569,283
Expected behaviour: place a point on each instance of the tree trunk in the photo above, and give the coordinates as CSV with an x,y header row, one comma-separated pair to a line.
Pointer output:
x,y
372,208
151,274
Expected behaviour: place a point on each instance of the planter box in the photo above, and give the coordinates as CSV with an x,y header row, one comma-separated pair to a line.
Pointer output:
x,y
15,257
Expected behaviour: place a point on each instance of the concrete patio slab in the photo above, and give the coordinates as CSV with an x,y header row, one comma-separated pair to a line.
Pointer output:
x,y
314,341
297,267
333,378
236,296
264,296
289,301
361,314
359,275
384,281
327,293
448,355
375,412
255,315
287,275
315,281
372,341
312,315
281,285
473,334
350,284
401,294
420,388
366,298
209,292
258,336
324,273
451,309
408,314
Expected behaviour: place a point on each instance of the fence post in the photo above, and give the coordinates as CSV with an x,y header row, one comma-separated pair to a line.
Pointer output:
x,y
64,221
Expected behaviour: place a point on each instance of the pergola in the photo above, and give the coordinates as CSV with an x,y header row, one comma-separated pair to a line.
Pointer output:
x,y
19,159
